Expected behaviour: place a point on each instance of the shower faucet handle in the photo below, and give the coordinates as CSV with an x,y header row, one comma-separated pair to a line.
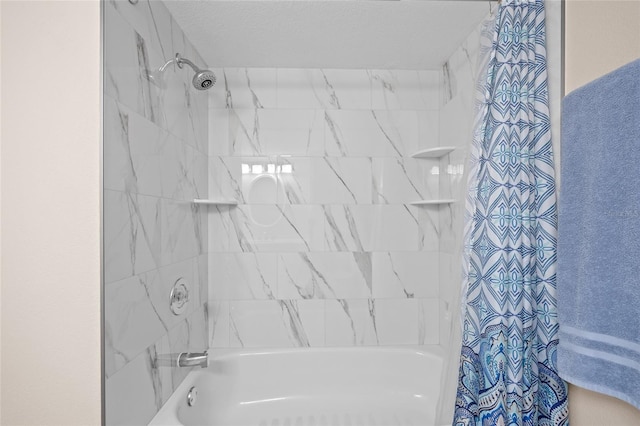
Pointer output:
x,y
179,297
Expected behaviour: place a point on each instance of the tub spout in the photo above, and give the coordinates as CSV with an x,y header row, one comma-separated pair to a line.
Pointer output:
x,y
193,359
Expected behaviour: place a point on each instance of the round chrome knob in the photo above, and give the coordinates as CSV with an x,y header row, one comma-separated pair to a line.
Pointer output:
x,y
179,297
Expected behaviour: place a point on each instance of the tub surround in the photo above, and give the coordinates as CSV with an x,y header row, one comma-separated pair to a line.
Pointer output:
x,y
156,152
324,247
456,127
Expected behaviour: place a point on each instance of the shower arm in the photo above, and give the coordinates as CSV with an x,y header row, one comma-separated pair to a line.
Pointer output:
x,y
202,80
179,61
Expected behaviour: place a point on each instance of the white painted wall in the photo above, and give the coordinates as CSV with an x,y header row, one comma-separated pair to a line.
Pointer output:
x,y
0,219
600,37
50,212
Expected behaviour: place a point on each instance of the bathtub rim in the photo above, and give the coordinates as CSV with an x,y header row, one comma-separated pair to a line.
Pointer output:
x,y
422,350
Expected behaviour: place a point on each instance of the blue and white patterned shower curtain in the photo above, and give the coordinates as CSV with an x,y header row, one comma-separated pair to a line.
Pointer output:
x,y
508,373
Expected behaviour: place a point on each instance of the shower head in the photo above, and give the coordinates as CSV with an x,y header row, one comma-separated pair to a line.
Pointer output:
x,y
202,80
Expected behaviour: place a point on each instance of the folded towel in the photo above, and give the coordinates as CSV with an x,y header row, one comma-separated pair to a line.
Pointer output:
x,y
599,236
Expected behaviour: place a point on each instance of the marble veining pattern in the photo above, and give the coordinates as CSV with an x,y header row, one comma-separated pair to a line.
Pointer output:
x,y
373,133
136,312
243,276
409,90
274,132
406,274
455,124
324,275
156,156
396,180
324,247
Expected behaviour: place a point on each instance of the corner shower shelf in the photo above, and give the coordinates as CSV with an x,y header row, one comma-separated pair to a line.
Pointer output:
x,y
215,202
432,202
437,152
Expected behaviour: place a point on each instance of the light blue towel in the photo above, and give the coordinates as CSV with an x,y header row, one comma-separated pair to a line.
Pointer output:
x,y
599,236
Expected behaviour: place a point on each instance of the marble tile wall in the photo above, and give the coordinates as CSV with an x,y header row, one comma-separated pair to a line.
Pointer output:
x,y
324,247
457,114
459,75
155,162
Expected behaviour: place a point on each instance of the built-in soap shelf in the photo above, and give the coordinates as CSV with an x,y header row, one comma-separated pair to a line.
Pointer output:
x,y
433,202
437,152
215,202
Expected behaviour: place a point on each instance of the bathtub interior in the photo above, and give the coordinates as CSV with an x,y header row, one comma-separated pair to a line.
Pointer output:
x,y
329,386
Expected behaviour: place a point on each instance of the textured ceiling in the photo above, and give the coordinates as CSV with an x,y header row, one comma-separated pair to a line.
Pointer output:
x,y
327,34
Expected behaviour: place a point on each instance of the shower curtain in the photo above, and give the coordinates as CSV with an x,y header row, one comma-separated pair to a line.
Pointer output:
x,y
508,373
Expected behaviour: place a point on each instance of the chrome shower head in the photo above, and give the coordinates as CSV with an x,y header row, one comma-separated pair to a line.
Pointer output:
x,y
202,80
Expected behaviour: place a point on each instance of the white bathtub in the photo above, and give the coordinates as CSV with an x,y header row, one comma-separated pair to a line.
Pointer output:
x,y
300,387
